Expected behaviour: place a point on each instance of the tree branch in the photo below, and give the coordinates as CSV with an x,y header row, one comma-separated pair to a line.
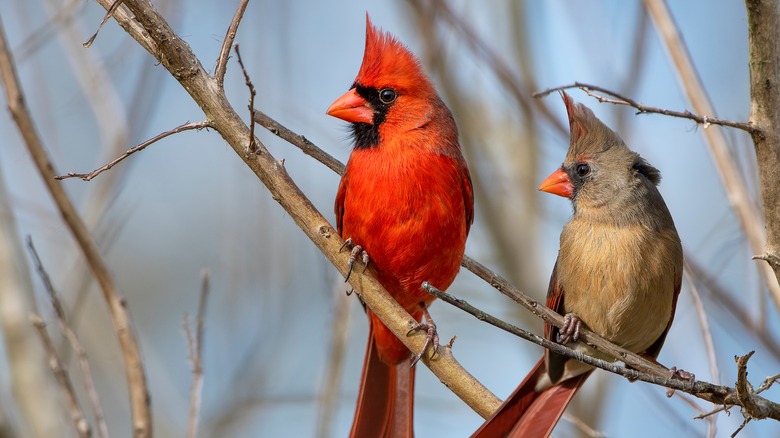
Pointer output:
x,y
763,18
177,57
621,99
230,36
181,128
117,305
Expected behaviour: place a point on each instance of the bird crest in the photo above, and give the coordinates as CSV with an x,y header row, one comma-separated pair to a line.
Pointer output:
x,y
387,62
589,136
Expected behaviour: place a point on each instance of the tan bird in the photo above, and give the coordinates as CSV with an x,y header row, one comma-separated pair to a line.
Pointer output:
x,y
618,272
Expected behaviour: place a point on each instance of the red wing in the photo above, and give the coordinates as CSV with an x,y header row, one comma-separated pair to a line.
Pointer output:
x,y
468,196
339,207
555,362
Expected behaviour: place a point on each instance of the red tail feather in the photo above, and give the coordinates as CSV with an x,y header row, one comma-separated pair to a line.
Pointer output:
x,y
528,413
385,403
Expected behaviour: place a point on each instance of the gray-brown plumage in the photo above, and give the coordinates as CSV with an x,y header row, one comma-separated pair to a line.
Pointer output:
x,y
618,272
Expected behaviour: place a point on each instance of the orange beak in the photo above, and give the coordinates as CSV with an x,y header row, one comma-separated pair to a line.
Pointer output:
x,y
352,108
558,183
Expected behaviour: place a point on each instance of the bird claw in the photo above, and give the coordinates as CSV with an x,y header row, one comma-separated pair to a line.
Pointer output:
x,y
432,336
680,374
353,255
570,330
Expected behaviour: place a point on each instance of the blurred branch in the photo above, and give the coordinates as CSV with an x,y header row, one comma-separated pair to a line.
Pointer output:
x,y
79,421
764,47
139,394
704,323
73,340
764,62
181,128
705,121
230,36
195,349
491,59
177,57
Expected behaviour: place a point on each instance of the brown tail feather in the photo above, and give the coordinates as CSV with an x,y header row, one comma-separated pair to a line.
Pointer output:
x,y
530,414
386,398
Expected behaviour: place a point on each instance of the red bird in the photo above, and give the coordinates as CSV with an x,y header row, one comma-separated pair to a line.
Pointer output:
x,y
618,272
406,200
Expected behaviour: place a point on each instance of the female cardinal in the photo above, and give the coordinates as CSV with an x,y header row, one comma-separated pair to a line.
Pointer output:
x,y
618,272
406,200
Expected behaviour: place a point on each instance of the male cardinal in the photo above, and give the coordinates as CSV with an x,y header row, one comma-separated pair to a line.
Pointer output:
x,y
406,200
618,272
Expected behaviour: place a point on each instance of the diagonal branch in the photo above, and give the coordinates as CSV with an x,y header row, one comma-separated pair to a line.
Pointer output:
x,y
230,36
177,57
181,128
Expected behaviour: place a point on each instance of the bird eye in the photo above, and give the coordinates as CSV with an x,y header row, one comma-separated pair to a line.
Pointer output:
x,y
583,169
387,95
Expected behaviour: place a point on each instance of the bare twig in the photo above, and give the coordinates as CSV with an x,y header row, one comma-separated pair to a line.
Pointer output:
x,y
195,349
300,141
230,36
136,378
110,11
621,99
251,146
79,421
181,128
73,340
759,233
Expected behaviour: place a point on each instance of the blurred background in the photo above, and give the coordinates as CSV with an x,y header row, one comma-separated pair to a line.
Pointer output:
x,y
277,315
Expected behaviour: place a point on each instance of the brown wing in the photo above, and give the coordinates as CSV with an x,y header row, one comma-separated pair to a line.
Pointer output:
x,y
655,349
554,362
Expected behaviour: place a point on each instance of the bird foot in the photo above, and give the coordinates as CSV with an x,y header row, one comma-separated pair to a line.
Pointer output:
x,y
432,336
570,330
357,250
674,373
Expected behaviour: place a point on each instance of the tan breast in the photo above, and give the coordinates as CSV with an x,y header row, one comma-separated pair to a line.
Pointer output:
x,y
617,281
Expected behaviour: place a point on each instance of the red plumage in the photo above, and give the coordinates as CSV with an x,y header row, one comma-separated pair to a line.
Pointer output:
x,y
406,199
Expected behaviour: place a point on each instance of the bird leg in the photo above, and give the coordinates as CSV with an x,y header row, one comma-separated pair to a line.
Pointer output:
x,y
570,330
432,337
353,255
680,374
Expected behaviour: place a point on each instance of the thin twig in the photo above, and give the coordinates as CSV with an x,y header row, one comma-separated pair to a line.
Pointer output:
x,y
300,141
110,12
195,350
251,147
76,414
230,36
181,128
136,377
621,99
73,340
